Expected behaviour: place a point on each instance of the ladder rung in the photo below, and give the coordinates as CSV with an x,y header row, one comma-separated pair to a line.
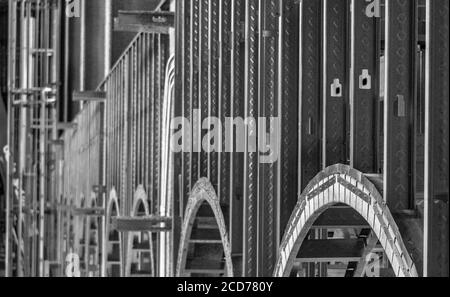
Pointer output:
x,y
59,126
42,51
89,212
205,271
201,241
142,224
89,96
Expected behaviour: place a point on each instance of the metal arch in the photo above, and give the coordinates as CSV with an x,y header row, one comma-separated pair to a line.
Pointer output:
x,y
113,203
79,225
166,176
72,223
202,192
140,198
343,184
92,202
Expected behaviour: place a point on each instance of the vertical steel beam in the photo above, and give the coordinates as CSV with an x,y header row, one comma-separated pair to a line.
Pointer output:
x,y
186,105
125,172
237,90
151,125
436,244
82,47
251,158
12,42
195,91
335,82
363,95
204,82
309,91
268,103
213,88
288,107
224,95
182,17
399,92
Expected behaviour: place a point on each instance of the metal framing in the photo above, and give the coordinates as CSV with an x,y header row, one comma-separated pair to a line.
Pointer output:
x,y
33,73
314,65
364,87
288,107
237,92
251,159
436,246
310,92
203,192
342,184
401,38
335,82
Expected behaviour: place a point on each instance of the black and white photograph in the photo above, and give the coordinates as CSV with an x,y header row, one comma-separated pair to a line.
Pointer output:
x,y
250,141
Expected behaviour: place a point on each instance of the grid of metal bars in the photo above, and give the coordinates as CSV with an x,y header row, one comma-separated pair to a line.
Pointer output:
x,y
116,144
239,58
33,73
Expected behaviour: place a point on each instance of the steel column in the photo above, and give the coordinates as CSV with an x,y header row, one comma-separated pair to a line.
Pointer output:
x,y
195,91
237,86
251,158
288,107
363,88
186,54
204,82
399,97
310,91
436,244
224,81
267,195
335,83
181,71
213,87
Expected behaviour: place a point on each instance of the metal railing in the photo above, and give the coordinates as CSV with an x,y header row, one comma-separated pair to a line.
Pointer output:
x,y
117,143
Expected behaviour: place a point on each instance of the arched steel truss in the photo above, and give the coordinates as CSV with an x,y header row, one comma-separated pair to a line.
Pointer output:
x,y
113,207
79,226
92,239
203,192
342,184
140,199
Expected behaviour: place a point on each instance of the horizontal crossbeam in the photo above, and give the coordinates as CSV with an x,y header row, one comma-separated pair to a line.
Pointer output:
x,y
342,217
142,224
324,251
145,21
89,96
89,212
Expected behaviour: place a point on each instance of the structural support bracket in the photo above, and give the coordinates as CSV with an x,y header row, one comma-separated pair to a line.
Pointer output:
x,y
159,22
89,96
142,224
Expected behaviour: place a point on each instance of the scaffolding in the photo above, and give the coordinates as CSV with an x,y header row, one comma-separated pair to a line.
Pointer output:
x,y
362,164
33,101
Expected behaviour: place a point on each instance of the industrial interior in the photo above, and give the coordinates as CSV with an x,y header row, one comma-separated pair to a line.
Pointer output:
x,y
351,178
